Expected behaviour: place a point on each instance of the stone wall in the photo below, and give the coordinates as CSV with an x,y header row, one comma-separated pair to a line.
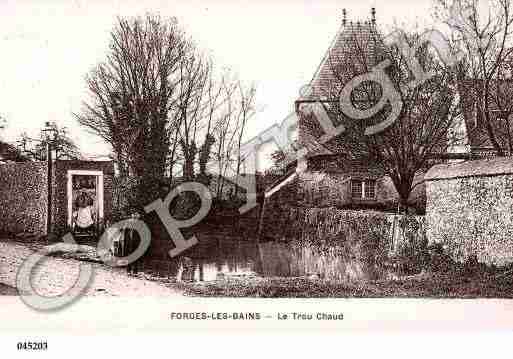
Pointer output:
x,y
24,195
473,217
327,183
23,198
470,210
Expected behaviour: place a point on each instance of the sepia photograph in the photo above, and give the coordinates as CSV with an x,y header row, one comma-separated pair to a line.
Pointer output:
x,y
337,164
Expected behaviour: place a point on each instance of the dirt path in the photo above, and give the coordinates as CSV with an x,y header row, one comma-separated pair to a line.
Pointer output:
x,y
54,275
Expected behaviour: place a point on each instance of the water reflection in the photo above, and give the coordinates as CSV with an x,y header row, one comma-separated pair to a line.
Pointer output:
x,y
228,259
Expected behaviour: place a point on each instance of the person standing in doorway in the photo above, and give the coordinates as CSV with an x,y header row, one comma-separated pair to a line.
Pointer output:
x,y
84,215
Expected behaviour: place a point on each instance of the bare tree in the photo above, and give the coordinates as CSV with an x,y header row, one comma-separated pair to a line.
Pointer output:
x,y
222,107
135,95
214,100
246,112
484,38
36,148
158,101
194,71
225,131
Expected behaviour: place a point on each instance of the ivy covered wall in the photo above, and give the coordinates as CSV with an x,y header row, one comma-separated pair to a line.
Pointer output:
x,y
23,198
24,195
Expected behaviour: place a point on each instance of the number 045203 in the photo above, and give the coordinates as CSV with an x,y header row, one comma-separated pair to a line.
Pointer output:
x,y
32,345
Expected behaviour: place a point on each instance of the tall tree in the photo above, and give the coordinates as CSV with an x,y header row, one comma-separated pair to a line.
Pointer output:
x,y
194,73
247,110
158,102
481,32
226,129
135,100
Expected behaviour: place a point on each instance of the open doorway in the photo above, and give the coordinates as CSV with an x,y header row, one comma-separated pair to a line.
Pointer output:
x,y
85,202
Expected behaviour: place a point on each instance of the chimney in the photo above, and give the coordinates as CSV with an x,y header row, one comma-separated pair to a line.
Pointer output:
x,y
344,17
373,15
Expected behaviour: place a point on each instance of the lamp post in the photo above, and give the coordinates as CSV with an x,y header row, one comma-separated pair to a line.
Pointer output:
x,y
48,131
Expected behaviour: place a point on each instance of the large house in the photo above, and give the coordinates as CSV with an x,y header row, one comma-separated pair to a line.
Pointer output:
x,y
328,176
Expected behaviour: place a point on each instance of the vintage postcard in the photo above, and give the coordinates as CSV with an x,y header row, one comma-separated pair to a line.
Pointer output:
x,y
330,166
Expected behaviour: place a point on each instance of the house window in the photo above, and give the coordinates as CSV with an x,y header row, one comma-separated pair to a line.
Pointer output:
x,y
356,189
369,187
363,189
502,116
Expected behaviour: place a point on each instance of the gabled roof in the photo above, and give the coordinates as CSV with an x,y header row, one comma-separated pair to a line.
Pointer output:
x,y
353,39
357,46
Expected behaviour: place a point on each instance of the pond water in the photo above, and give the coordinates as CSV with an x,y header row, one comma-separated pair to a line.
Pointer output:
x,y
239,259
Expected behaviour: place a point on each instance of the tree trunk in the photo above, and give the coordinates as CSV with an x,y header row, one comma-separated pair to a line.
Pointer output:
x,y
403,185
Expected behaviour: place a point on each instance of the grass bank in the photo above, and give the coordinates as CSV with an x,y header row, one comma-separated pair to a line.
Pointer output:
x,y
423,286
7,290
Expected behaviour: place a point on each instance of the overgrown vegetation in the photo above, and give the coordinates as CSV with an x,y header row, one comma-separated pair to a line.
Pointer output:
x,y
60,142
447,285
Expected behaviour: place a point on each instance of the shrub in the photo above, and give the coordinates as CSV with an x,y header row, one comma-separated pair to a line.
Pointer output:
x,y
123,197
412,256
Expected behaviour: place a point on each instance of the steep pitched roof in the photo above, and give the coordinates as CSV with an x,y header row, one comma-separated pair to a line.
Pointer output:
x,y
356,44
358,47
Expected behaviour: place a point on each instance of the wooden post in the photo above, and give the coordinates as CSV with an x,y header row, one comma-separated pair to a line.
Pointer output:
x,y
49,175
261,219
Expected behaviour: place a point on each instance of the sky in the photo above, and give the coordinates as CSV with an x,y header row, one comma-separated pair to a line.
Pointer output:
x,y
47,48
